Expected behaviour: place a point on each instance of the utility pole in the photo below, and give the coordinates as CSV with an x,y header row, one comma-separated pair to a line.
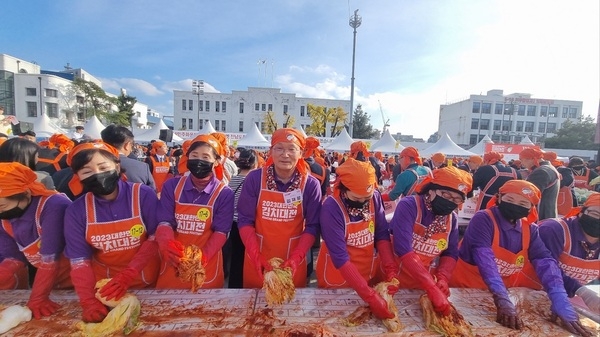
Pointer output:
x,y
355,22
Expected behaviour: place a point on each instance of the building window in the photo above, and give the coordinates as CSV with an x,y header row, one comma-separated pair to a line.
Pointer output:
x,y
285,109
52,110
543,111
521,110
241,126
542,127
498,108
241,107
565,112
551,128
217,106
484,124
207,106
486,108
506,125
497,124
191,124
531,110
51,93
30,91
270,107
183,104
302,111
474,124
201,124
519,126
223,107
264,107
223,125
529,126
307,126
217,124
572,112
191,105
256,106
79,99
31,109
81,114
183,127
476,107
553,111
257,125
473,139
200,105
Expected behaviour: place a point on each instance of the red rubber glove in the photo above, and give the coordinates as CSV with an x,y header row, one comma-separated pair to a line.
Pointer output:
x,y
386,197
299,253
388,263
171,249
378,305
414,266
213,245
84,281
8,273
444,272
39,301
250,240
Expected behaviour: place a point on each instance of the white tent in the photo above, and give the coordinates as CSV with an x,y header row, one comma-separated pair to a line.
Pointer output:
x,y
254,140
207,129
301,130
93,127
387,144
340,143
479,148
154,134
446,146
44,127
526,141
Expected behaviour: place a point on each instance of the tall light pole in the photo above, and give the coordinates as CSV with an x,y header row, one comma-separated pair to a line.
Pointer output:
x,y
198,89
355,21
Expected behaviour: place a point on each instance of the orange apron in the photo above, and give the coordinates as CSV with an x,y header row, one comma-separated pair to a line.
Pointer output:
x,y
116,242
32,251
279,225
193,228
360,243
483,193
582,270
427,250
582,181
511,266
564,202
160,171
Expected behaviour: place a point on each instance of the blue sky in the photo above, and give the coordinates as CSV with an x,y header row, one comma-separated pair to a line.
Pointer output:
x,y
411,55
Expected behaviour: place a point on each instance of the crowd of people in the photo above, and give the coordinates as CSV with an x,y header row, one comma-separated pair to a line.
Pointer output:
x,y
76,210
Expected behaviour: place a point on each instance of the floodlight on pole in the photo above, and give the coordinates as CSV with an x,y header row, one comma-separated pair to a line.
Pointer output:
x,y
355,21
198,89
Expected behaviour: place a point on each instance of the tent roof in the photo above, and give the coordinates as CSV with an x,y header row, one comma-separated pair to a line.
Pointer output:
x,y
387,144
340,143
446,146
207,129
301,129
44,126
93,127
526,141
154,134
479,148
254,139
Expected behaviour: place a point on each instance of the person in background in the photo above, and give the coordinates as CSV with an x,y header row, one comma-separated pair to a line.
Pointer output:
x,y
53,157
437,160
566,199
353,227
78,133
230,170
108,233
9,124
29,135
500,250
472,164
359,151
582,174
23,151
425,229
317,170
490,176
278,210
574,241
159,164
546,178
26,209
195,209
413,173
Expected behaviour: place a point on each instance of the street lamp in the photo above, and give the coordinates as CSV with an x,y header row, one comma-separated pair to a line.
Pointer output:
x,y
355,21
198,89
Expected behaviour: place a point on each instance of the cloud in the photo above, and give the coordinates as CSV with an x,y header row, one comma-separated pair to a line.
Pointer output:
x,y
185,85
133,86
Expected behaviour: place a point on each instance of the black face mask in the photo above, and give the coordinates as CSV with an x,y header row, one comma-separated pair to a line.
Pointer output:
x,y
103,183
13,213
590,225
512,211
355,204
442,206
199,168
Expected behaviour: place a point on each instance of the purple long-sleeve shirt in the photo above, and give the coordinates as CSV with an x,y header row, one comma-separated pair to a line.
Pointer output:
x,y
121,208
403,222
480,233
222,210
553,236
311,200
333,228
25,231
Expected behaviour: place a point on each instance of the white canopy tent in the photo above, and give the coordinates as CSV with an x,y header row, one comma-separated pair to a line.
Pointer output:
x,y
301,130
154,134
254,140
44,127
526,141
93,127
207,129
387,144
446,146
340,143
479,148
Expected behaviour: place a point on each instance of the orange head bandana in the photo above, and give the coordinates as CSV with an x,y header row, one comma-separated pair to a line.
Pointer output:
x,y
450,178
492,157
222,139
532,153
61,142
312,147
552,157
182,166
476,160
216,145
155,146
289,135
413,153
523,188
592,200
358,176
357,148
438,157
17,178
260,159
378,155
75,184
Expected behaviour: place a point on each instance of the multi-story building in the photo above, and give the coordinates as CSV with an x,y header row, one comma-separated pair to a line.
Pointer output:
x,y
505,118
236,112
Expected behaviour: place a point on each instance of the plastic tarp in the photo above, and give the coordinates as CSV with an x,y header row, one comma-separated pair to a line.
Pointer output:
x,y
254,140
446,146
387,144
479,148
154,134
93,127
208,128
340,143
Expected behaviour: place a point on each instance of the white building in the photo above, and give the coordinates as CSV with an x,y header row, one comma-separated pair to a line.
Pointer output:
x,y
505,118
235,112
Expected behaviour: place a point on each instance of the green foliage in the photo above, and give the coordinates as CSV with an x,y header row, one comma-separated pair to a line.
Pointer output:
x,y
362,128
125,105
572,135
321,116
